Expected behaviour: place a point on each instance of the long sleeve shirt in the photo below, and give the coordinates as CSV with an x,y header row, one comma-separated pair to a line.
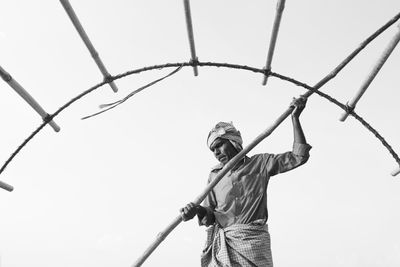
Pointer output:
x,y
241,195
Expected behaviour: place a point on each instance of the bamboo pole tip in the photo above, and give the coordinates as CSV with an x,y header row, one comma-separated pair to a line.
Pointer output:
x,y
53,125
267,72
57,128
113,87
264,82
7,187
196,71
395,172
344,116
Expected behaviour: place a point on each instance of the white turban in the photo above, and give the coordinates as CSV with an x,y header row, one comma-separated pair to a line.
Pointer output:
x,y
225,130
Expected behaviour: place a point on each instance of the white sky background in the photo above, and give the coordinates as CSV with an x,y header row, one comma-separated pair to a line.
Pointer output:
x,y
98,192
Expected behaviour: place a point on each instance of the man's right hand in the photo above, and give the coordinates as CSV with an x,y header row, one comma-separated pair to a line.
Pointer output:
x,y
190,210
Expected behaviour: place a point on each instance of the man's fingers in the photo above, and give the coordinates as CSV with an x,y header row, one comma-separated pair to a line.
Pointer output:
x,y
189,211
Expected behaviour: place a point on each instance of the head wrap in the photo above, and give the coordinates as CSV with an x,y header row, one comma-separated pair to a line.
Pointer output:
x,y
225,130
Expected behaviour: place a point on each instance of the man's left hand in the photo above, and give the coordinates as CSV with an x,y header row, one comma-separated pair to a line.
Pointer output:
x,y
299,104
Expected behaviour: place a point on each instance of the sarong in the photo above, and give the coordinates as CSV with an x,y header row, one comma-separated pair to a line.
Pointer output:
x,y
238,245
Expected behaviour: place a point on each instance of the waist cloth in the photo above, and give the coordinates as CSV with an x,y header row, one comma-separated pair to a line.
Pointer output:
x,y
238,245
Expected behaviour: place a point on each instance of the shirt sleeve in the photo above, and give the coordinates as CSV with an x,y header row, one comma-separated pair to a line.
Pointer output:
x,y
279,163
209,204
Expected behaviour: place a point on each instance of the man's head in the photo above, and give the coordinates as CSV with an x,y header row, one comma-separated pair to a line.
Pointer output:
x,y
224,141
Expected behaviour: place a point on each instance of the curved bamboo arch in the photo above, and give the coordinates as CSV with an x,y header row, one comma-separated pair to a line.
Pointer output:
x,y
209,64
267,73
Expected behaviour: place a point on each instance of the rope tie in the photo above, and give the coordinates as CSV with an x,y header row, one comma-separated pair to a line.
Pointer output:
x,y
112,105
48,118
194,62
108,78
349,109
267,72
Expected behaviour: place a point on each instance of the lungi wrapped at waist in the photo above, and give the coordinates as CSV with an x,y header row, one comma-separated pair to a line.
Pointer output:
x,y
238,245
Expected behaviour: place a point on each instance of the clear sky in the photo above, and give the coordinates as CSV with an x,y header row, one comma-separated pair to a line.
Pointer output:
x,y
98,192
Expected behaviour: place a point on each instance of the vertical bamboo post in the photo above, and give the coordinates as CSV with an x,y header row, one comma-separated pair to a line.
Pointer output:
x,y
378,65
189,27
5,186
78,26
275,29
27,97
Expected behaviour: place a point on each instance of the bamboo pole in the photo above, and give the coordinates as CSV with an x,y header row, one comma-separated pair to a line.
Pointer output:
x,y
5,186
275,29
78,26
162,235
378,65
189,27
27,97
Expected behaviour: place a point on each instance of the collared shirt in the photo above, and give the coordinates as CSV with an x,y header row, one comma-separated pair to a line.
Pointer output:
x,y
241,195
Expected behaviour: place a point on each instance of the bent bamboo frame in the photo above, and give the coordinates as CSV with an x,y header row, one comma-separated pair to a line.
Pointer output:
x,y
218,65
378,65
189,26
85,38
238,67
27,97
275,29
5,186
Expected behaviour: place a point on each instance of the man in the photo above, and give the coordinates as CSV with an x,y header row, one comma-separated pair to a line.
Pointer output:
x,y
236,209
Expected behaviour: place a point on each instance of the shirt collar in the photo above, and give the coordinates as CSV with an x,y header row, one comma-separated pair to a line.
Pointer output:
x,y
220,165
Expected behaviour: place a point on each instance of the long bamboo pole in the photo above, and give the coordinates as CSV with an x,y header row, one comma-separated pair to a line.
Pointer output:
x,y
275,29
189,26
85,38
27,97
162,235
378,65
5,186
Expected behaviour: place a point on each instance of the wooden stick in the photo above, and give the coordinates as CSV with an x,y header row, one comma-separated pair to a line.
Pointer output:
x,y
78,26
395,172
378,65
5,186
161,236
189,27
275,29
27,97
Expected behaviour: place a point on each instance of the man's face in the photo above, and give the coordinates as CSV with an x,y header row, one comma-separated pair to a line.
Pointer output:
x,y
223,150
